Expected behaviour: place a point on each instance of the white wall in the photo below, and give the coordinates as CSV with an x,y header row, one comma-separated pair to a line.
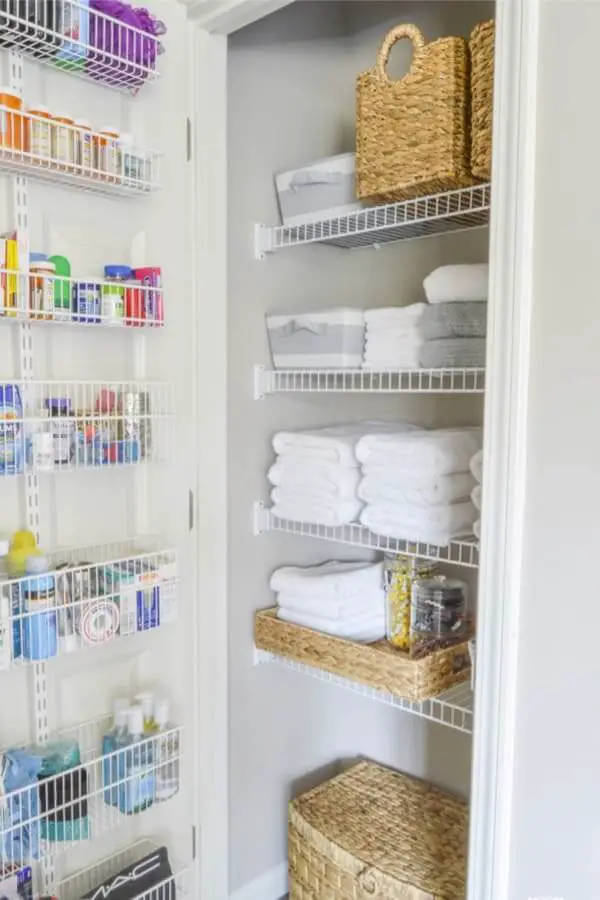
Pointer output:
x,y
557,791
291,100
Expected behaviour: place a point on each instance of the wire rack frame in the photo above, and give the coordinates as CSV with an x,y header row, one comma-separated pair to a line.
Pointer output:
x,y
364,381
84,42
454,708
460,552
91,798
407,220
182,882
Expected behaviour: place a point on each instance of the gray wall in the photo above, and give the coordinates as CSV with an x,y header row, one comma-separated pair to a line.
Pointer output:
x,y
557,789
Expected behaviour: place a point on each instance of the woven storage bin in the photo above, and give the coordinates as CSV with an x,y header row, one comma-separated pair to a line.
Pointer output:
x,y
374,833
412,135
481,46
378,665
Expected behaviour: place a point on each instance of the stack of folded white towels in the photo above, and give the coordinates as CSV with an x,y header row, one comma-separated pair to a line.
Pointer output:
x,y
477,471
393,339
453,324
417,484
345,599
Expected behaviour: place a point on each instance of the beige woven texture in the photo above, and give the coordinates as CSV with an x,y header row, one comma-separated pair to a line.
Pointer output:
x,y
378,665
374,833
481,46
413,134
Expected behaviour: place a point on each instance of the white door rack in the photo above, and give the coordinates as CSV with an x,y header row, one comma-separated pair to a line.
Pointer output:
x,y
423,217
464,552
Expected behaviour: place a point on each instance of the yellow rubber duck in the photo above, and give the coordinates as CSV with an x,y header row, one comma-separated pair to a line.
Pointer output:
x,y
23,544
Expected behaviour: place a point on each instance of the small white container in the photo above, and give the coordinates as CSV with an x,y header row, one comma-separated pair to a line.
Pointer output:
x,y
332,339
323,189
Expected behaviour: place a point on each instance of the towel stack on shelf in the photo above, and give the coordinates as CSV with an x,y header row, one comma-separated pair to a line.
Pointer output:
x,y
453,324
477,471
393,340
343,599
417,484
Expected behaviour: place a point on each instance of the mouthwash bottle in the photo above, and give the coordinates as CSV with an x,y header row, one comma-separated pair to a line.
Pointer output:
x,y
111,742
138,789
166,745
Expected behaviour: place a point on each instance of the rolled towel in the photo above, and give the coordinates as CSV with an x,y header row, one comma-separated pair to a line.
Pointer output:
x,y
431,525
392,489
453,353
445,320
315,512
476,497
365,604
362,630
330,579
451,284
326,481
334,444
398,317
426,453
476,466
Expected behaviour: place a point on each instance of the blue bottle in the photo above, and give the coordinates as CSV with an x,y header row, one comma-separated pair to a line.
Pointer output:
x,y
111,741
138,788
11,430
40,622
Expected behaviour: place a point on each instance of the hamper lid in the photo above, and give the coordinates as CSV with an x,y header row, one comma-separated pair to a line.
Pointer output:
x,y
405,828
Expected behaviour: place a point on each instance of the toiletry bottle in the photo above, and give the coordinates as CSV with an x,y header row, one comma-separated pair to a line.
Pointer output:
x,y
138,788
40,623
145,699
166,746
110,743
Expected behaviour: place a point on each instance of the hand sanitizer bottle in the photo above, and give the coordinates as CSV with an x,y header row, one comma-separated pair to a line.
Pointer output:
x,y
145,699
138,789
167,753
111,741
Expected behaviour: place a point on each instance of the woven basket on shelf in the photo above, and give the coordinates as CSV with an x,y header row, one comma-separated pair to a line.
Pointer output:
x,y
412,135
481,46
377,665
372,832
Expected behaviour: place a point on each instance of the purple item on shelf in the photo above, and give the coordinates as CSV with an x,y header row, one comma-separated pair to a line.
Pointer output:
x,y
118,48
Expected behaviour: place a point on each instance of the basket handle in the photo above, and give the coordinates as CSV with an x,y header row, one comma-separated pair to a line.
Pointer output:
x,y
392,37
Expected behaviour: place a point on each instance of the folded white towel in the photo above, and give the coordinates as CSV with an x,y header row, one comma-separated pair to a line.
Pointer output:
x,y
315,512
334,444
387,487
361,630
331,579
476,496
326,481
394,316
401,361
391,343
476,466
477,528
448,284
432,453
368,603
428,525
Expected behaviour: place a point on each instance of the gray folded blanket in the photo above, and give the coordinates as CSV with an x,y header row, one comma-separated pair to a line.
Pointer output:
x,y
453,353
446,320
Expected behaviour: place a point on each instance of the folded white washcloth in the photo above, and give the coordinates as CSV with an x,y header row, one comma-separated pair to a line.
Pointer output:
x,y
426,453
477,528
335,579
326,481
387,487
476,466
360,630
369,603
476,497
394,316
315,512
449,284
428,525
335,444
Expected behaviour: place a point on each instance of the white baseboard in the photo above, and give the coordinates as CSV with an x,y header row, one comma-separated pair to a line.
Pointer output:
x,y
273,885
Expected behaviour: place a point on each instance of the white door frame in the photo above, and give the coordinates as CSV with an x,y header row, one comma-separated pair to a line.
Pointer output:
x,y
505,432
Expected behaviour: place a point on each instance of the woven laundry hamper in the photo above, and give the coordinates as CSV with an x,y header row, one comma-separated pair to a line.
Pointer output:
x,y
481,46
374,833
412,135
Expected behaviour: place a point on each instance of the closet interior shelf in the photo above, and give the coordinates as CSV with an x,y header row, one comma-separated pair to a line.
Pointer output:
x,y
361,381
423,217
463,552
454,708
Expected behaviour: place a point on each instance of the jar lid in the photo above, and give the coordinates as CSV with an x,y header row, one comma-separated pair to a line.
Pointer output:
x,y
37,257
117,271
83,123
42,264
58,403
12,92
63,117
110,129
39,108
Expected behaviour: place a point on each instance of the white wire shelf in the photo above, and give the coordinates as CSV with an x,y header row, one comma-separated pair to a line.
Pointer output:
x,y
100,793
42,298
423,217
463,552
95,595
49,150
57,426
98,47
362,381
182,883
454,708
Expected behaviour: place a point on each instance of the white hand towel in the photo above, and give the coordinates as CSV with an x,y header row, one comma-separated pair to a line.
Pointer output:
x,y
327,482
365,604
388,488
315,512
476,466
334,444
449,284
361,631
331,579
394,316
428,525
434,453
477,528
476,497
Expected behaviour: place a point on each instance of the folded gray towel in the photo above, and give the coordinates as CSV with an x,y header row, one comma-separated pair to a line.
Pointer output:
x,y
453,353
445,320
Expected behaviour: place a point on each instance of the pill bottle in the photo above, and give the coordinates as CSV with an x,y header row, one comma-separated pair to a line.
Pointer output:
x,y
108,154
62,423
150,277
113,294
41,125
41,289
63,149
12,122
84,147
134,304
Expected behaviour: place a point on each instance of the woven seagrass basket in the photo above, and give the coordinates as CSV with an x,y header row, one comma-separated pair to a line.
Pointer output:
x,y
413,134
481,46
372,832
